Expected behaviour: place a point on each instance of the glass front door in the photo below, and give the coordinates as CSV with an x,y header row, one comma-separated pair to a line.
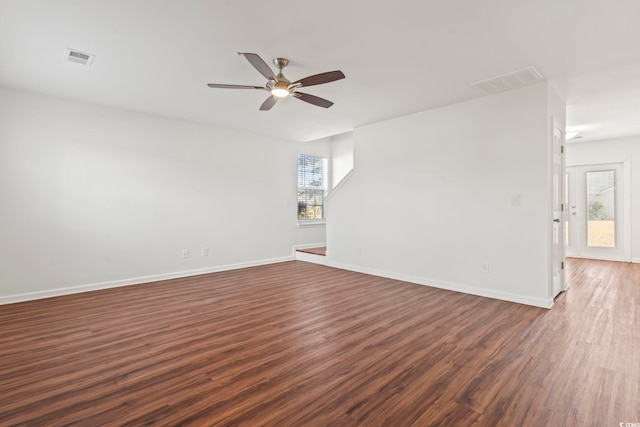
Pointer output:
x,y
595,215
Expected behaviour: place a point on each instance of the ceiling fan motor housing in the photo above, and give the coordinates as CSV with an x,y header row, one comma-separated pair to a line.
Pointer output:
x,y
280,88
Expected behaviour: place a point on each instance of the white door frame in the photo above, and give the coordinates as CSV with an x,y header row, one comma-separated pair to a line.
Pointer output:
x,y
577,212
558,278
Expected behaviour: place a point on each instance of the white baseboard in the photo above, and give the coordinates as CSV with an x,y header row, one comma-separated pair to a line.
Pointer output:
x,y
10,299
635,260
504,296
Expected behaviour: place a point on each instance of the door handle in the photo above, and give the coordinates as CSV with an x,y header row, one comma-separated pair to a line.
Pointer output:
x,y
557,220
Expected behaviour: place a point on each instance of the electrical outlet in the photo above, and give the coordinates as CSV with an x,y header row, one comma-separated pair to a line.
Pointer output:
x,y
185,253
485,267
205,252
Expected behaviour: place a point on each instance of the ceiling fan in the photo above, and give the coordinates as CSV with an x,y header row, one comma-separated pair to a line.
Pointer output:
x,y
280,86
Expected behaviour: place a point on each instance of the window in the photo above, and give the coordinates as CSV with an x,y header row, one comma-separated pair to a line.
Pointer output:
x,y
312,184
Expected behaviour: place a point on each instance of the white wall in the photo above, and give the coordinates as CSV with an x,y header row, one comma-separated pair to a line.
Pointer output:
x,y
615,151
341,156
90,194
429,200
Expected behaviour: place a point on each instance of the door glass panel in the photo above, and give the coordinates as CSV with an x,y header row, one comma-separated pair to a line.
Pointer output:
x,y
601,209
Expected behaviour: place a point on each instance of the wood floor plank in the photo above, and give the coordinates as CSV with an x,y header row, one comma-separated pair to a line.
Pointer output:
x,y
296,343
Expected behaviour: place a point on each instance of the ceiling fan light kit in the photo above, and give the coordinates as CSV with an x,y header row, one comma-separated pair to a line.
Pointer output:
x,y
281,87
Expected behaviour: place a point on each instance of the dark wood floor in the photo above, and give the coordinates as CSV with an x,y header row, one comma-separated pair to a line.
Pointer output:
x,y
298,344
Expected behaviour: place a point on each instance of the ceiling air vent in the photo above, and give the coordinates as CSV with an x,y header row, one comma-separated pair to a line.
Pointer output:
x,y
79,57
513,80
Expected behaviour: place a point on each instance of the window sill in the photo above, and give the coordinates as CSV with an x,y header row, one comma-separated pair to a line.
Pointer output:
x,y
312,223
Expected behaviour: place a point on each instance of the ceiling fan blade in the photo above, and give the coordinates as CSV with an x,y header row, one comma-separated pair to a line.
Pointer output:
x,y
268,103
222,86
318,79
259,65
312,99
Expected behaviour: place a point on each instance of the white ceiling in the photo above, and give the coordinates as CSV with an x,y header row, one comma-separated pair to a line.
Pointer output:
x,y
399,57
